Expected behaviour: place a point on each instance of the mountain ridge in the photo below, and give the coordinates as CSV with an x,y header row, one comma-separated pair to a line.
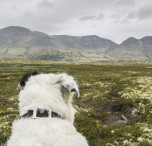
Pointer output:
x,y
20,42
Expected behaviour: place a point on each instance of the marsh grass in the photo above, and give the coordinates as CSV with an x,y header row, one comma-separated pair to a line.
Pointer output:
x,y
108,91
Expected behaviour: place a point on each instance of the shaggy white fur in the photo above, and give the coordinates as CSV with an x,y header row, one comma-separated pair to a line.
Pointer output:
x,y
54,93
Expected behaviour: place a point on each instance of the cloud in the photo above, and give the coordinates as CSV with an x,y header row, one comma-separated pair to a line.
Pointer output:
x,y
86,17
143,13
45,4
100,16
106,18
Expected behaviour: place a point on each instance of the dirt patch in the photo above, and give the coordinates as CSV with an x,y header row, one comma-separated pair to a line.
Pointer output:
x,y
108,117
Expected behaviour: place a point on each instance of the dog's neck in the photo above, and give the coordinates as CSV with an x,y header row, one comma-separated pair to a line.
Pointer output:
x,y
66,112
34,97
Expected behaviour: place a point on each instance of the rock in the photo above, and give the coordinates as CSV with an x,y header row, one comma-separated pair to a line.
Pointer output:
x,y
10,108
124,118
121,122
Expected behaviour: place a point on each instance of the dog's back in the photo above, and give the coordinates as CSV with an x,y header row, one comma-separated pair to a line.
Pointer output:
x,y
46,112
45,132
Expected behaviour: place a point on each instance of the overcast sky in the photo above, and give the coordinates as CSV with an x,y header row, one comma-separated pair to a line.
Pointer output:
x,y
112,19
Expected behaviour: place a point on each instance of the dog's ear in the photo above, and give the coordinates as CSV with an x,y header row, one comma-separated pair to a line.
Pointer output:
x,y
68,84
24,79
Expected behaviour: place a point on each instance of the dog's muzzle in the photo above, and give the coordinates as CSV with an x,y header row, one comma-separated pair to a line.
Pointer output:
x,y
76,91
40,114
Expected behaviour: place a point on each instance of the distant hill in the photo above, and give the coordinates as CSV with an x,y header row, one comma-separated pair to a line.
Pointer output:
x,y
20,42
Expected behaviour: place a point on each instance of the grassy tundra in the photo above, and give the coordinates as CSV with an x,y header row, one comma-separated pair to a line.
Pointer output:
x,y
115,106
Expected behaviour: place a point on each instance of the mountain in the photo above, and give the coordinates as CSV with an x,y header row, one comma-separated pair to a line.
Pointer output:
x,y
20,42
130,49
133,49
147,45
90,42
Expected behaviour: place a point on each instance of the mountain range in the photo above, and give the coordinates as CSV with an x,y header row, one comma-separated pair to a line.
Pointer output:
x,y
20,42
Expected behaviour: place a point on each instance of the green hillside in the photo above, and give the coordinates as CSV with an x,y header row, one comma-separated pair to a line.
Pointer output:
x,y
20,42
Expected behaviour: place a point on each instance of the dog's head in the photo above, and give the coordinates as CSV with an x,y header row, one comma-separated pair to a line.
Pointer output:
x,y
67,83
54,91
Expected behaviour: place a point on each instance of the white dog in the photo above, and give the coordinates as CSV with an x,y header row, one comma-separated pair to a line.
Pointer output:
x,y
46,112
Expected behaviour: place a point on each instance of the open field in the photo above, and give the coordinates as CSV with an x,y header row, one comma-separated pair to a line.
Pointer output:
x,y
115,105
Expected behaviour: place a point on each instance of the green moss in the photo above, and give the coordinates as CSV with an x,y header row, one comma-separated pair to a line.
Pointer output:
x,y
88,127
122,104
